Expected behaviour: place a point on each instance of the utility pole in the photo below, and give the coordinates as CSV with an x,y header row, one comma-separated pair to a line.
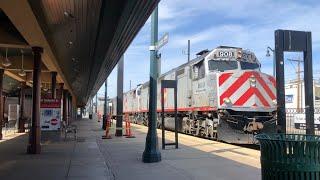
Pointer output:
x,y
188,50
151,152
299,83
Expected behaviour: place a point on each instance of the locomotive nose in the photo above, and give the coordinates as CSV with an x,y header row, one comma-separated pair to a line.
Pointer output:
x,y
246,89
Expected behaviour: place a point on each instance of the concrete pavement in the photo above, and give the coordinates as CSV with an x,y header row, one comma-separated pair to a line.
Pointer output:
x,y
69,159
90,157
195,159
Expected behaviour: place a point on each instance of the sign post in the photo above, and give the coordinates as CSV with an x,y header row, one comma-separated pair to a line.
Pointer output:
x,y
169,84
151,152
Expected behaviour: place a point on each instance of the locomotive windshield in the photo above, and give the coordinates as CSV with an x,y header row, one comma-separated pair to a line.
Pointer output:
x,y
248,65
222,65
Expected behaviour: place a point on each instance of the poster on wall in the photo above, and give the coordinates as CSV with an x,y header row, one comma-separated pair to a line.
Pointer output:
x,y
50,114
289,98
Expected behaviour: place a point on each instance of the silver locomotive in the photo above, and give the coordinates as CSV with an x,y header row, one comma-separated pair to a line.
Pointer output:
x,y
222,94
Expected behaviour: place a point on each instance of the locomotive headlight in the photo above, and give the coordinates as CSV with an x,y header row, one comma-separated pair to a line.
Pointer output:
x,y
252,81
274,102
227,100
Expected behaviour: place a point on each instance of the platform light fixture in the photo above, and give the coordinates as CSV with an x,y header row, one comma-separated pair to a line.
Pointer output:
x,y
268,53
274,59
22,72
45,88
68,14
76,70
6,62
1,57
74,60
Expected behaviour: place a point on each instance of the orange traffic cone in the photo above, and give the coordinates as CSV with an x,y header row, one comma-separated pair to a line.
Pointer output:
x,y
108,125
128,127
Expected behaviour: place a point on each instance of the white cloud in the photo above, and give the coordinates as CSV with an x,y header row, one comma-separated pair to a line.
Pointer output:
x,y
209,23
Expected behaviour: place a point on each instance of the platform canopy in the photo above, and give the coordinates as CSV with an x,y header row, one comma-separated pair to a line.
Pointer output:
x,y
82,39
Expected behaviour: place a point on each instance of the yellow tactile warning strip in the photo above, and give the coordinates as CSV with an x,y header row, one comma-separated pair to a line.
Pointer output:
x,y
247,156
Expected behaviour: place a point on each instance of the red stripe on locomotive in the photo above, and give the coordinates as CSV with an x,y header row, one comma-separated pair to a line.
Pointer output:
x,y
224,77
235,86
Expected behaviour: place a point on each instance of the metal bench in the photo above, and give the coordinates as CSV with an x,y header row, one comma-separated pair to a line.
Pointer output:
x,y
67,129
10,127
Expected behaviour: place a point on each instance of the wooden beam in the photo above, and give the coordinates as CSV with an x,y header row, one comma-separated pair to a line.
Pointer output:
x,y
22,17
15,46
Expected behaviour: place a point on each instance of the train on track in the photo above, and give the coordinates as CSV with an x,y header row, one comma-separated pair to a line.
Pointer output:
x,y
221,94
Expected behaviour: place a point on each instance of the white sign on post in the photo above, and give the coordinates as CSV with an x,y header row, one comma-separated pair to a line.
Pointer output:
x,y
162,41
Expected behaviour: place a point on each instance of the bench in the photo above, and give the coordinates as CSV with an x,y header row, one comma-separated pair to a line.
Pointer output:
x,y
67,129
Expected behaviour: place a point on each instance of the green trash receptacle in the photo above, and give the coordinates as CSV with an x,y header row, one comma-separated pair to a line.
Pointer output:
x,y
289,156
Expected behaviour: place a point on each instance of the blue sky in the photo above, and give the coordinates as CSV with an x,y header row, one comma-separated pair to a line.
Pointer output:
x,y
209,23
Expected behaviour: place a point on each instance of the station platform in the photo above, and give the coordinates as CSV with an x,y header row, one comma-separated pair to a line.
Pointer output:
x,y
90,157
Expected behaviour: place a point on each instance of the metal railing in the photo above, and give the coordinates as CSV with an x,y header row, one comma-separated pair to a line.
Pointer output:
x,y
296,121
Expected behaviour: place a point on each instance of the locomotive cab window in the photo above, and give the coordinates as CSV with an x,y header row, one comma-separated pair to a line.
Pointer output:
x,y
199,70
248,65
222,65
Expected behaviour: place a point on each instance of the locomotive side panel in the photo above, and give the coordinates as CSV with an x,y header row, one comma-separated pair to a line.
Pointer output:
x,y
200,98
144,99
113,107
134,101
212,91
129,102
184,89
126,100
199,86
168,93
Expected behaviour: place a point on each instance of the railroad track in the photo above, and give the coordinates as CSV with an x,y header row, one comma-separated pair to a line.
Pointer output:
x,y
250,146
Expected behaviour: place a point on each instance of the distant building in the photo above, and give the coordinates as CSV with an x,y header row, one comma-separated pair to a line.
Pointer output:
x,y
294,94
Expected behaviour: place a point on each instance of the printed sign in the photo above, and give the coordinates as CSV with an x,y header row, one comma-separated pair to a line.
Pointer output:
x,y
163,41
300,121
50,114
226,54
289,98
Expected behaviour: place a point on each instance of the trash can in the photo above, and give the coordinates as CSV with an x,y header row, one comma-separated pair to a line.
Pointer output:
x,y
289,156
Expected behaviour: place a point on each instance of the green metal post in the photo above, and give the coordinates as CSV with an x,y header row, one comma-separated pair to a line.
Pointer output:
x,y
151,152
